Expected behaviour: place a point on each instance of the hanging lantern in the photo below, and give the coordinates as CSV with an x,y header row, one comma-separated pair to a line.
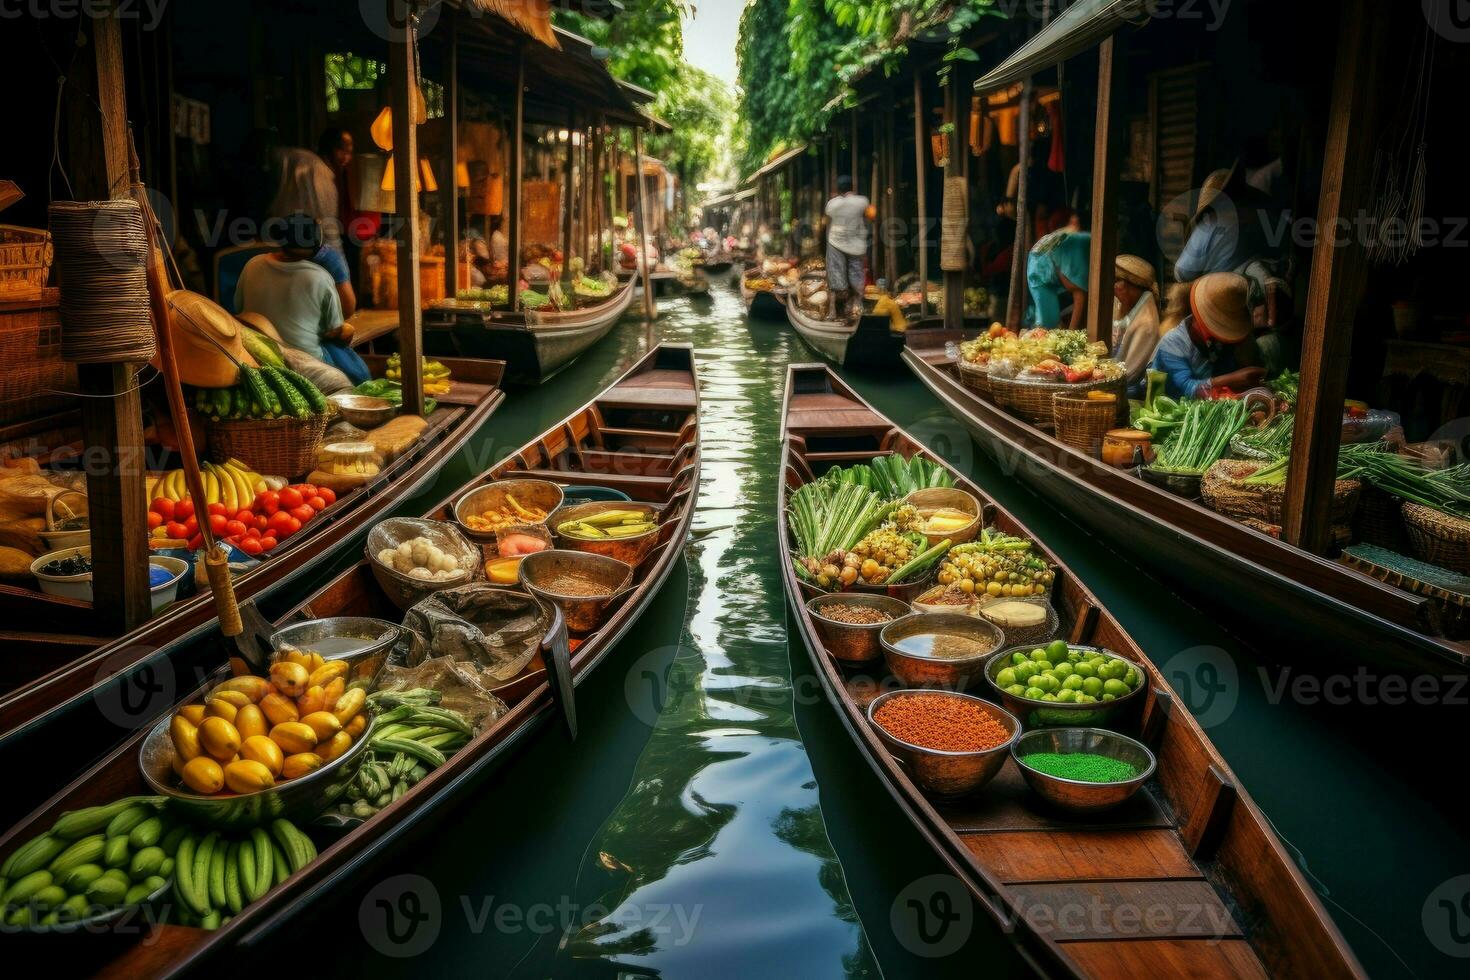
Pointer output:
x,y
382,128
423,181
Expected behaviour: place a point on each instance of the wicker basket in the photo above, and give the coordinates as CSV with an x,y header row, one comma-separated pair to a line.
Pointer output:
x,y
1081,422
280,447
36,381
1031,400
1342,535
975,377
1438,538
1380,520
25,261
1225,493
404,590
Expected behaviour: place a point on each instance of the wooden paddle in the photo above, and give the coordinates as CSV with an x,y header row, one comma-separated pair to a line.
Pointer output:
x,y
556,651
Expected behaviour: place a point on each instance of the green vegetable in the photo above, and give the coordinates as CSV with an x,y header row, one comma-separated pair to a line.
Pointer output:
x,y
260,395
309,391
289,400
1203,438
262,348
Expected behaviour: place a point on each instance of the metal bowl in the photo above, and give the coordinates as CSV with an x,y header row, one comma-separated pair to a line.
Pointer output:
x,y
936,498
528,493
631,550
1039,714
583,613
1186,485
1076,795
378,638
916,670
852,643
405,590
303,798
363,411
948,774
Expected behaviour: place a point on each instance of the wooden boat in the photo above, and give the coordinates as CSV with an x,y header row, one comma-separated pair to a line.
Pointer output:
x,y
640,436
868,341
54,655
1191,847
1277,588
721,265
535,345
762,304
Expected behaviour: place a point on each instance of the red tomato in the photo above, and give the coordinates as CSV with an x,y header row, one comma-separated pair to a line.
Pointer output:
x,y
163,507
234,528
177,531
217,523
267,543
261,522
307,489
268,502
184,509
279,520
303,513
154,520
291,497
251,531
245,515
192,526
316,503
251,546
195,543
327,494
216,509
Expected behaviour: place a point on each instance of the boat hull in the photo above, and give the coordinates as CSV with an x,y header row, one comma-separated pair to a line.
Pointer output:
x,y
871,343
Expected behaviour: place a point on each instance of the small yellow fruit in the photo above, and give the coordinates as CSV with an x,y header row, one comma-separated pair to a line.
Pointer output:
x,y
332,693
349,704
290,679
204,775
251,686
238,698
219,738
314,661
279,709
315,699
185,737
327,672
251,721
294,737
333,747
247,776
324,723
301,764
194,713
220,708
356,726
299,657
259,748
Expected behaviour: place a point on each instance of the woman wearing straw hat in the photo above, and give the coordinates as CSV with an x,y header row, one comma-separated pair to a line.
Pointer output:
x,y
1199,355
1136,333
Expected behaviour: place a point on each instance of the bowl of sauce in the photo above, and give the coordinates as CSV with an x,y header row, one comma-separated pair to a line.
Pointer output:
x,y
943,650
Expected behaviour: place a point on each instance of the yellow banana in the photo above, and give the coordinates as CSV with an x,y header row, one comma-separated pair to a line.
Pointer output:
x,y
229,493
245,480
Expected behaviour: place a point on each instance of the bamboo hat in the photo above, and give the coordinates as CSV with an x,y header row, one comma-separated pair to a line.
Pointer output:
x,y
1214,186
1219,302
208,343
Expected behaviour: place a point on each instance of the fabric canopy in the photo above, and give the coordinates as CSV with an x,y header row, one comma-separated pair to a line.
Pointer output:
x,y
1081,26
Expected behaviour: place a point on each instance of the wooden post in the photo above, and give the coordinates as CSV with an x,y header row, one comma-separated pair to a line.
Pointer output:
x,y
921,187
890,182
112,411
513,192
571,169
852,148
1106,160
449,189
1016,292
650,312
599,186
1336,282
954,280
402,75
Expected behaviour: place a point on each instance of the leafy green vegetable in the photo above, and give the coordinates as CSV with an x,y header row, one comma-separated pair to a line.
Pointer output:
x,y
1202,438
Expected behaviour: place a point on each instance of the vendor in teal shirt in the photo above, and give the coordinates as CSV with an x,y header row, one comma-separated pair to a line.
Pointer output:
x,y
1057,264
1199,355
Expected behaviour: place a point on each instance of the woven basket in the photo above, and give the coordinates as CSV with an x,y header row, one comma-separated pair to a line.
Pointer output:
x,y
25,261
36,381
953,233
1081,422
975,377
280,447
1380,520
1031,400
1224,493
1342,535
1438,538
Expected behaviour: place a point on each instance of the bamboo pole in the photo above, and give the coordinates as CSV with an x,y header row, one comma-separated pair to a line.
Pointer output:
x,y
921,187
650,311
402,75
1016,293
1106,157
513,191
449,186
954,280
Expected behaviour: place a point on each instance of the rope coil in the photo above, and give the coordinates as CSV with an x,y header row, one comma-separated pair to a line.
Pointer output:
x,y
101,250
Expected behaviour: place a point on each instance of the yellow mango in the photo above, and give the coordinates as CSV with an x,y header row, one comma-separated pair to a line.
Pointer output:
x,y
204,775
220,708
315,699
324,674
290,679
251,721
333,747
194,713
185,737
350,704
238,698
332,692
294,737
219,738
356,726
279,709
301,764
298,657
316,661
259,748
324,723
247,776
251,686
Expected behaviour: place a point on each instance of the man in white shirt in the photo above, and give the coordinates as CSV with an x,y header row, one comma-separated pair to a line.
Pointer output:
x,y
847,246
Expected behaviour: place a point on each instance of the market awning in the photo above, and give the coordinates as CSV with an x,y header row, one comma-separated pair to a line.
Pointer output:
x,y
780,161
1081,26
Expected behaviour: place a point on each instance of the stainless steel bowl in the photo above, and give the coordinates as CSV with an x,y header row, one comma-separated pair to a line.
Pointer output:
x,y
1074,795
948,774
1037,714
363,411
303,798
528,493
377,636
916,670
853,643
631,550
583,613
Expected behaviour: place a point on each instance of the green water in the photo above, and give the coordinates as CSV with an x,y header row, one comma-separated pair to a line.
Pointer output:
x,y
714,817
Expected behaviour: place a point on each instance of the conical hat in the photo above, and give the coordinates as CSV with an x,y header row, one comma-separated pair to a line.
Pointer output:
x,y
1220,302
208,345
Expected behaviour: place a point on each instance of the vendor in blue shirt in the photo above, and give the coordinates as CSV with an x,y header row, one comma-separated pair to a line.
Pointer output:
x,y
1199,355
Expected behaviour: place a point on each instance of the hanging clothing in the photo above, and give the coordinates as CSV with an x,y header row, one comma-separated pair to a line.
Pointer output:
x,y
1056,161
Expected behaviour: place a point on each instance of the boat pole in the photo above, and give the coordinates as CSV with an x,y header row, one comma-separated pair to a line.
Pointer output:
x,y
1106,160
1016,292
650,312
402,84
921,186
571,169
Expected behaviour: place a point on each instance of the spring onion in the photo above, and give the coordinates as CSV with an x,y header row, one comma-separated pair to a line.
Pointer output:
x,y
1203,438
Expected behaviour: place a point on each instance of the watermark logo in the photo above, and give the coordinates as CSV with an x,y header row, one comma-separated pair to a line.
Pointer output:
x,y
133,689
947,439
390,19
1450,19
1446,917
148,13
933,916
1206,680
401,917
646,686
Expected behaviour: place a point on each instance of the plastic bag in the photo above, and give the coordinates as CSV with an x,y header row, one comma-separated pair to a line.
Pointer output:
x,y
496,630
328,379
462,686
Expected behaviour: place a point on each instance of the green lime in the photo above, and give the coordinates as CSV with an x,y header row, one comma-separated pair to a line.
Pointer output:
x,y
1066,696
1085,669
1062,670
1115,687
1019,690
1110,697
1074,656
1086,699
1131,678
1113,670
1039,656
1006,677
1092,685
1048,697
1057,649
1047,683
1018,658
1034,694
1026,671
1073,683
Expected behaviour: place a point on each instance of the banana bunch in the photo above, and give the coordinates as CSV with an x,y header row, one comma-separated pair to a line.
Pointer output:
x,y
436,375
233,484
609,524
216,875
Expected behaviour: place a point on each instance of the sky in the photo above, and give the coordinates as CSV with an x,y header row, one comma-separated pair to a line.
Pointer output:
x,y
710,37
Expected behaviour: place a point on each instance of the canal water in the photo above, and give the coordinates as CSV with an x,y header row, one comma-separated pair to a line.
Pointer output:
x,y
714,818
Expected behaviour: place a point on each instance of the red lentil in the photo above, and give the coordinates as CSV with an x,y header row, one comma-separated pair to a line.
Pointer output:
x,y
935,721
846,612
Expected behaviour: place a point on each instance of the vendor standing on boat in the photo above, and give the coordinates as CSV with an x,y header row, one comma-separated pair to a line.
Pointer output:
x,y
847,248
1058,264
1199,355
1137,293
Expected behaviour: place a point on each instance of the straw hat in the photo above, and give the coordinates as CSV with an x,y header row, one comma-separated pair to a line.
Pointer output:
x,y
208,344
1213,187
258,322
1218,301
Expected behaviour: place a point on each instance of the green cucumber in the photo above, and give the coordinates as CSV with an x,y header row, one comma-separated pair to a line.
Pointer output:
x,y
123,823
292,401
309,391
115,854
88,850
254,382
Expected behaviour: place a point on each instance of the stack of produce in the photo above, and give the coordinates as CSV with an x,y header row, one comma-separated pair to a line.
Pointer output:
x,y
1052,355
217,874
414,737
255,526
893,476
497,295
608,524
232,483
435,374
268,392
997,565
1065,675
1202,438
1159,417
391,391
